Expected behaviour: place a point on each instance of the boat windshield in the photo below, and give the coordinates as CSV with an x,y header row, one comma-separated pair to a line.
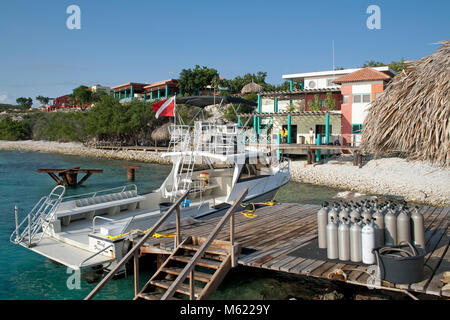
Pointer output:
x,y
254,168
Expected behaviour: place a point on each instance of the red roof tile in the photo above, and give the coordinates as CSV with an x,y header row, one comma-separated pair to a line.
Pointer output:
x,y
366,74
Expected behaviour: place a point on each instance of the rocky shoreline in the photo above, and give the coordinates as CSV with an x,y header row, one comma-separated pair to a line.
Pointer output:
x,y
78,149
415,181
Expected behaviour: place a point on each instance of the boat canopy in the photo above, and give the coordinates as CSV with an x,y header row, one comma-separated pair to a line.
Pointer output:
x,y
203,101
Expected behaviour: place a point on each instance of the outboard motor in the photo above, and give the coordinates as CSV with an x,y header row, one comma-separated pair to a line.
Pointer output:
x,y
418,230
368,243
344,240
322,219
332,239
390,225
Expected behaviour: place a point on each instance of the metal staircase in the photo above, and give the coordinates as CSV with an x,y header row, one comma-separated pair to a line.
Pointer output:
x,y
37,220
208,272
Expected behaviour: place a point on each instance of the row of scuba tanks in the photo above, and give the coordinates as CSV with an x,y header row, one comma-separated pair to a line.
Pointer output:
x,y
350,231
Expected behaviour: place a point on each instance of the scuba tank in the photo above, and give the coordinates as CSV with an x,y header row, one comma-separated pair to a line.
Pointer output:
x,y
366,215
332,239
344,240
390,228
333,213
355,214
355,242
368,243
322,218
403,227
344,214
379,231
417,228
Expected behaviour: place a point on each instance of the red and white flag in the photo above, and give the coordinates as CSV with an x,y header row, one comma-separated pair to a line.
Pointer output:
x,y
164,108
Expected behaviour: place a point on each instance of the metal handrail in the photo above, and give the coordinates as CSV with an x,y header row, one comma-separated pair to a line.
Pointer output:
x,y
45,206
94,194
95,254
191,265
141,242
100,217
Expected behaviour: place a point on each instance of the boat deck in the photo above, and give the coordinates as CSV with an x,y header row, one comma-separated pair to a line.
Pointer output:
x,y
269,239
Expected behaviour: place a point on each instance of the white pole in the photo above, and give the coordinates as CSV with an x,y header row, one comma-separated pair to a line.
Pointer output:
x,y
16,215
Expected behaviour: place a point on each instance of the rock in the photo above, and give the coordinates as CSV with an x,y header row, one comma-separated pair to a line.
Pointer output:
x,y
334,295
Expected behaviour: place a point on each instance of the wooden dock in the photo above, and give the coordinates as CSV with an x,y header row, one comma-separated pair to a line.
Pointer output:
x,y
277,231
131,148
69,177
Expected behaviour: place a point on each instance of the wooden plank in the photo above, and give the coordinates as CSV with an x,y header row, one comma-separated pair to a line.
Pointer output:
x,y
312,267
434,287
85,178
433,259
331,269
297,269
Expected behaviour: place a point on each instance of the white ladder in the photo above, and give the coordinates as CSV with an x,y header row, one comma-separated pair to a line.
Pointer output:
x,y
41,213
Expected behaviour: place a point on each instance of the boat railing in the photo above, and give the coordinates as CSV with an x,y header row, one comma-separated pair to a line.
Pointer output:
x,y
37,218
128,187
189,269
134,252
94,255
102,218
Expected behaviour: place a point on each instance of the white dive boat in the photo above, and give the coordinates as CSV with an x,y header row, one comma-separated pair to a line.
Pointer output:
x,y
209,159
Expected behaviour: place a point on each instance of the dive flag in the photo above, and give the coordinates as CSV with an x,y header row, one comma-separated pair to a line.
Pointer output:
x,y
164,108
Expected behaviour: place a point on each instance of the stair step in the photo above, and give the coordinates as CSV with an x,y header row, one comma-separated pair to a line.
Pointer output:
x,y
210,250
181,288
152,296
199,276
212,264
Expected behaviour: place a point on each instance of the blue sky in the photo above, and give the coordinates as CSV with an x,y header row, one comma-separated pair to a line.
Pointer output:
x,y
146,41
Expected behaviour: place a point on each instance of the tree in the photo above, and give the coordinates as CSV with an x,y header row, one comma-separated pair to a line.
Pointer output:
x,y
329,102
25,103
397,66
43,100
13,130
81,97
191,81
315,105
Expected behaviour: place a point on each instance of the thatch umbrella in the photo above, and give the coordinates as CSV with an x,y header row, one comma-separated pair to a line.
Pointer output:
x,y
412,115
251,87
162,133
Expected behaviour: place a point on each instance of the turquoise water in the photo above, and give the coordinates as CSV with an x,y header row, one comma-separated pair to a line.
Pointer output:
x,y
26,275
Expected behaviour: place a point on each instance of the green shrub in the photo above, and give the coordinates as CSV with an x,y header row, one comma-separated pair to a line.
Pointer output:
x,y
13,130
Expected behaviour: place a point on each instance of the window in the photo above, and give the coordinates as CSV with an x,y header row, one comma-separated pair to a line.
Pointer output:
x,y
320,129
345,99
330,83
322,103
253,169
356,128
361,98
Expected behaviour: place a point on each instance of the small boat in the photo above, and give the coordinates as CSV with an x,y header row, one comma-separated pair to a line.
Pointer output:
x,y
209,160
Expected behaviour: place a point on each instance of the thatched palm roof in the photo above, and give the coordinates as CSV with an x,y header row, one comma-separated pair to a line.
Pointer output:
x,y
251,87
412,115
162,133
